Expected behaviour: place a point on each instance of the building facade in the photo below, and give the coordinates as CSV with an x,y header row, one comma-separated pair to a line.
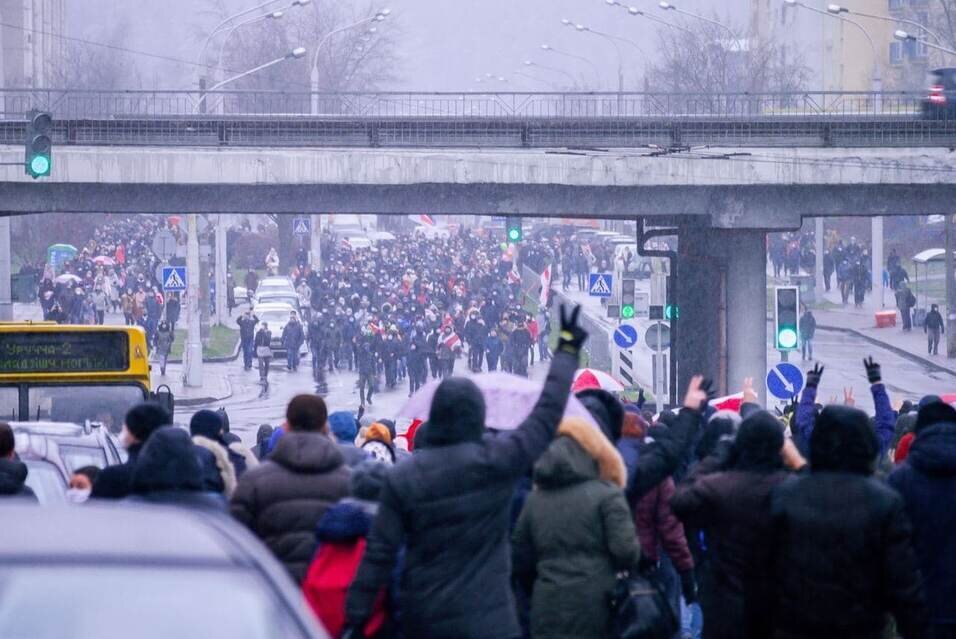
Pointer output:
x,y
31,43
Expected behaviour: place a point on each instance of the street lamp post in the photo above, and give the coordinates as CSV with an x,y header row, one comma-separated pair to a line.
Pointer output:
x,y
298,52
634,11
838,9
908,37
314,74
550,85
548,47
613,39
532,63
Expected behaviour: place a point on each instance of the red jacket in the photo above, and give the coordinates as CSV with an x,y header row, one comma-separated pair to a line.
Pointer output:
x,y
657,526
327,582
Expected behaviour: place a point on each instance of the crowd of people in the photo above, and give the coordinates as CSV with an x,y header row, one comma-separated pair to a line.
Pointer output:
x,y
827,522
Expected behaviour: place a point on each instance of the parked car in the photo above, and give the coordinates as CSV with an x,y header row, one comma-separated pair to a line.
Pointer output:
x,y
47,474
176,572
277,316
940,103
79,445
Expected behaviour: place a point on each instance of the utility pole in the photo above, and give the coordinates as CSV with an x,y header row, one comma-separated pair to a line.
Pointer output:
x,y
876,252
193,368
950,290
316,243
222,268
6,271
820,249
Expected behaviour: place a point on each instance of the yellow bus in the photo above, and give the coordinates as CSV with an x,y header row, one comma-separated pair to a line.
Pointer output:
x,y
72,373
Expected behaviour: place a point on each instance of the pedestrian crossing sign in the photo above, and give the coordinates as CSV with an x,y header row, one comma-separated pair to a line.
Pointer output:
x,y
599,284
174,278
301,226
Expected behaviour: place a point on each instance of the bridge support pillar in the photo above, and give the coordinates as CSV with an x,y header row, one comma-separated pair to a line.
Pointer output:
x,y
722,296
6,269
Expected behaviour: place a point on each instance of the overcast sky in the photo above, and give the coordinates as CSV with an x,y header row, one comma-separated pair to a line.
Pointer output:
x,y
444,44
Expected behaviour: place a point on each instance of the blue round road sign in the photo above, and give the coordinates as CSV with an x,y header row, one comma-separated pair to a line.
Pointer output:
x,y
625,336
785,380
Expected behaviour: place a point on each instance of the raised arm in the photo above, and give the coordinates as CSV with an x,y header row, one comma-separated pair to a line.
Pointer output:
x,y
885,416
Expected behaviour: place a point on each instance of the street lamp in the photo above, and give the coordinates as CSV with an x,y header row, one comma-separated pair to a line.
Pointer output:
x,y
634,11
907,37
222,25
532,63
297,52
667,6
550,85
549,48
613,39
275,15
378,16
838,9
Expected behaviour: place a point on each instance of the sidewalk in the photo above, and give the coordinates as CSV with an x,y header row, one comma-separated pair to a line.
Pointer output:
x,y
862,323
216,387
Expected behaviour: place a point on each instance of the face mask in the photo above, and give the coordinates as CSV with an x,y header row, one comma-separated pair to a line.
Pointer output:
x,y
77,495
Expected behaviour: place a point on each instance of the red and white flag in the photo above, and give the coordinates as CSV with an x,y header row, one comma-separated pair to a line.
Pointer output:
x,y
423,219
452,342
545,285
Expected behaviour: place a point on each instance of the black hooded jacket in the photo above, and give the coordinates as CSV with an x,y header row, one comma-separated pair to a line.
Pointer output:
x,y
450,505
13,477
927,481
843,545
168,471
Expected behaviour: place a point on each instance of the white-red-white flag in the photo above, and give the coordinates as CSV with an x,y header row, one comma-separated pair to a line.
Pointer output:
x,y
545,285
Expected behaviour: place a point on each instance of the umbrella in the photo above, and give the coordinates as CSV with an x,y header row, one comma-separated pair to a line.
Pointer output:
x,y
508,401
66,278
593,378
103,260
730,402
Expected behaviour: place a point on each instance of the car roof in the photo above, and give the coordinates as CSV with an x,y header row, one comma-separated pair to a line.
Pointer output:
x,y
122,531
275,281
48,428
267,307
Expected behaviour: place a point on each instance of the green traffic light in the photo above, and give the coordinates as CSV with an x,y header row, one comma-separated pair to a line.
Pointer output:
x,y
40,165
514,235
627,311
787,338
671,312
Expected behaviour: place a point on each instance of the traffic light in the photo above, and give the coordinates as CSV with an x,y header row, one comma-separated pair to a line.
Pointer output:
x,y
787,307
671,310
627,298
39,145
514,231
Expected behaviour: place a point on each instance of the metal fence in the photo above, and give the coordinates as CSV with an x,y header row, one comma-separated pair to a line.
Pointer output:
x,y
71,104
520,120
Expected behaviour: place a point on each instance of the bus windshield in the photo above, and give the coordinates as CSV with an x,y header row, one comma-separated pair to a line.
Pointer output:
x,y
105,403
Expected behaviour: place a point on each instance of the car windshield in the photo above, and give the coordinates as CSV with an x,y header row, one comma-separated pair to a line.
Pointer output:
x,y
79,456
275,319
53,601
105,403
9,403
47,484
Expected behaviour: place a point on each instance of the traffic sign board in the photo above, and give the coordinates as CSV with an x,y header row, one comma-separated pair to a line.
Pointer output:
x,y
655,312
658,334
174,278
301,226
164,244
625,336
785,381
599,284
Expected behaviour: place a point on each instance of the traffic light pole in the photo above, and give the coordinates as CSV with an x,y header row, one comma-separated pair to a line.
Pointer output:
x,y
6,269
193,360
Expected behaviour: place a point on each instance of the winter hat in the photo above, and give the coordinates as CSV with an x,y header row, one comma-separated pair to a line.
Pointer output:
x,y
606,409
343,426
390,425
843,440
206,423
143,419
378,432
758,443
934,412
168,461
721,424
928,399
634,426
457,413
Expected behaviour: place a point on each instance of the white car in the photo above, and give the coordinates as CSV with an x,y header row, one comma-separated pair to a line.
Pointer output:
x,y
357,242
274,286
276,315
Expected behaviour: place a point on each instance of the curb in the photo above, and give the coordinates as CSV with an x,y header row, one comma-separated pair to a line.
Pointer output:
x,y
216,360
199,401
934,366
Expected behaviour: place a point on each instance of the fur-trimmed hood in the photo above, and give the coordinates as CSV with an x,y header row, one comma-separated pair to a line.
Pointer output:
x,y
580,453
226,470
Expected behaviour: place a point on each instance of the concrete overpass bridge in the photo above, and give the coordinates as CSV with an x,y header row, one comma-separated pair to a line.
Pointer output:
x,y
722,171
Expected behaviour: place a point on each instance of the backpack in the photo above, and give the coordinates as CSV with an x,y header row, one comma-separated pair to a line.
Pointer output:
x,y
327,582
641,610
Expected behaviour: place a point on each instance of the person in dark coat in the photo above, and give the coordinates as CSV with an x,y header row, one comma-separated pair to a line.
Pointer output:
x,y
247,334
292,339
113,482
13,472
168,471
222,462
493,347
934,327
575,534
843,545
927,482
283,498
449,506
727,495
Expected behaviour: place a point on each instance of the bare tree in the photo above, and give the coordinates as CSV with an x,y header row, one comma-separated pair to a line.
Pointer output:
x,y
91,66
704,59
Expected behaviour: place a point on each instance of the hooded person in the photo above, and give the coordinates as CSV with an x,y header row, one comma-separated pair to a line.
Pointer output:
x,y
449,506
927,482
344,428
575,534
341,536
113,482
282,499
262,441
378,444
210,429
219,475
168,471
13,472
727,496
844,558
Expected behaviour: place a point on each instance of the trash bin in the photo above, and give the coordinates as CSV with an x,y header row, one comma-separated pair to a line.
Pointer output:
x,y
807,285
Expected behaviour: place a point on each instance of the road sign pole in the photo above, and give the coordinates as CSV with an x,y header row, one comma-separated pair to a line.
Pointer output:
x,y
192,373
222,268
659,364
6,269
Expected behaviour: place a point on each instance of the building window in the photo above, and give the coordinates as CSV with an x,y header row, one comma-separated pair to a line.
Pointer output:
x,y
897,5
896,52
